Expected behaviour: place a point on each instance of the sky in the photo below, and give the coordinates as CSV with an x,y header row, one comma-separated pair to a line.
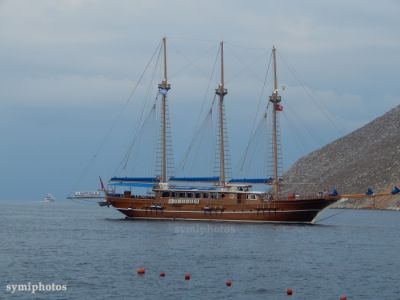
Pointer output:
x,y
69,66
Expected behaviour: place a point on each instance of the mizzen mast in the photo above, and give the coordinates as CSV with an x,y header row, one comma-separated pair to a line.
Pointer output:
x,y
164,87
221,91
275,99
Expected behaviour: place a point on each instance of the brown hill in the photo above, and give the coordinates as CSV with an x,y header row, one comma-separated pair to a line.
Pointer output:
x,y
367,157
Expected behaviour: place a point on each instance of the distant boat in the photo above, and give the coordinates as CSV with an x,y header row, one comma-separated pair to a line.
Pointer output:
x,y
86,195
89,195
49,198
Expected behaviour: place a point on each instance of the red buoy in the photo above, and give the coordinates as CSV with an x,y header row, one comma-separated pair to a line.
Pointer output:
x,y
187,276
162,274
228,283
140,271
343,297
289,292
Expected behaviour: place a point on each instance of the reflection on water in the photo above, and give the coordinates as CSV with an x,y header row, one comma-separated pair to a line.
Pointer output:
x,y
95,252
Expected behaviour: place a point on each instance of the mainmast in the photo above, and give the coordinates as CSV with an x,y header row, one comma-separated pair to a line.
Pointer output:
x,y
164,87
221,91
275,99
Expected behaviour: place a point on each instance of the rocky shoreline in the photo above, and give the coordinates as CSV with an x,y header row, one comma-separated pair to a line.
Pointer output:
x,y
369,157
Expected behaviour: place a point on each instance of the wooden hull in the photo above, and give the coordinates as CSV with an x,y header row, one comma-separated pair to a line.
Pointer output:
x,y
281,211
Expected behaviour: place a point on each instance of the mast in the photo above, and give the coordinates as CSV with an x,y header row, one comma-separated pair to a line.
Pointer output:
x,y
275,99
221,91
164,87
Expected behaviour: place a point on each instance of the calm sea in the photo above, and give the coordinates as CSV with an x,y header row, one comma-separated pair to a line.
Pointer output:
x,y
95,253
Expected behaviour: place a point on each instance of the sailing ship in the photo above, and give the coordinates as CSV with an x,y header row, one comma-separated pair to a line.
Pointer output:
x,y
233,200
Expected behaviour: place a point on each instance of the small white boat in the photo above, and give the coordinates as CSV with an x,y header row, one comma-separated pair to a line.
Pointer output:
x,y
49,198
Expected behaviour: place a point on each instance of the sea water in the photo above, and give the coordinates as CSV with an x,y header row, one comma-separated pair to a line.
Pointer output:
x,y
77,250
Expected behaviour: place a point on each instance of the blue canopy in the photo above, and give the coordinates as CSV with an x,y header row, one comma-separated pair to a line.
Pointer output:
x,y
193,188
194,179
191,179
132,184
251,180
216,178
135,179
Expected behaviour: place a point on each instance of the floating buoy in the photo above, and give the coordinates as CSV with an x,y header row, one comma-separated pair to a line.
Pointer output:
x,y
162,274
289,292
187,276
140,271
228,282
343,297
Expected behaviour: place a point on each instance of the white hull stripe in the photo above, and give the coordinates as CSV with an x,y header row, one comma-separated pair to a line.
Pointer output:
x,y
218,220
219,212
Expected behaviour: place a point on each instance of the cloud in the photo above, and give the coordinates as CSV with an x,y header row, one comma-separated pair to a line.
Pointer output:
x,y
62,60
65,91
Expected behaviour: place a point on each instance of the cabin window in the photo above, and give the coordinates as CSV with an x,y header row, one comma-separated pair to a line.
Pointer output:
x,y
205,195
251,197
189,195
165,194
173,194
213,195
197,195
182,195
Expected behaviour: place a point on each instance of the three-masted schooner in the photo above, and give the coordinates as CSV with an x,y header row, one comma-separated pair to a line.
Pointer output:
x,y
223,201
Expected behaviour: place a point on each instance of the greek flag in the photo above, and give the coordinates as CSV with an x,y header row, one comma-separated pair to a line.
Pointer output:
x,y
163,91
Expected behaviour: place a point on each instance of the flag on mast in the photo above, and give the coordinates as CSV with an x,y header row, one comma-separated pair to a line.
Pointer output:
x,y
278,107
101,184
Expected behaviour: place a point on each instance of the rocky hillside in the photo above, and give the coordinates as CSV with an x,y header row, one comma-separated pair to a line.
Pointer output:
x,y
367,157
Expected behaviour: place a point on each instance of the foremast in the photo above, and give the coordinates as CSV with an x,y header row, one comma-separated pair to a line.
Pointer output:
x,y
164,87
221,91
275,99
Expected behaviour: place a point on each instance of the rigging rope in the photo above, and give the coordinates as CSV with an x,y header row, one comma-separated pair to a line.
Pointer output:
x,y
246,66
331,216
150,88
262,94
252,138
206,121
207,91
196,127
297,116
128,154
115,121
296,134
309,92
190,62
253,128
